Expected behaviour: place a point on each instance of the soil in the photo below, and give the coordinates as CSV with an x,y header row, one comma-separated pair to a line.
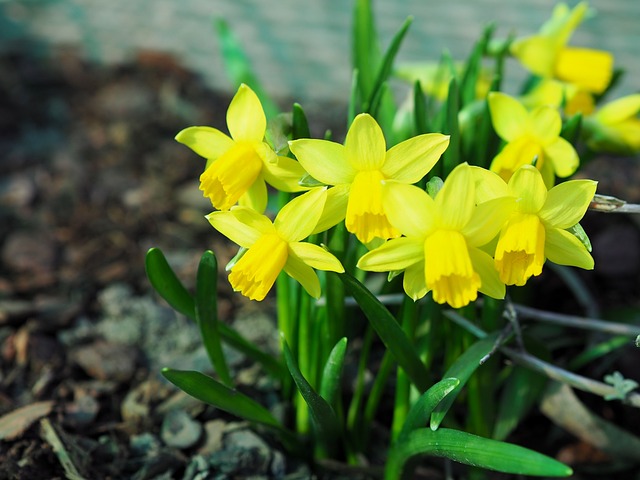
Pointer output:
x,y
90,179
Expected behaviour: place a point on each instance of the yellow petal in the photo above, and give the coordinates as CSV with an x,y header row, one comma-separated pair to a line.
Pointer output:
x,y
529,189
590,70
563,156
245,117
491,284
488,185
256,197
619,110
509,117
244,227
207,142
456,200
284,174
537,53
564,248
567,203
414,282
409,209
335,208
316,257
515,154
410,160
396,254
546,124
487,220
365,144
297,219
324,160
303,274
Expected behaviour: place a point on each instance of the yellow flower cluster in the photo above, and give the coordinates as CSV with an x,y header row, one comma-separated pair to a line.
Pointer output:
x,y
478,234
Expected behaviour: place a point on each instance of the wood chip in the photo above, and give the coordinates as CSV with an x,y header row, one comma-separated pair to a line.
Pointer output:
x,y
15,423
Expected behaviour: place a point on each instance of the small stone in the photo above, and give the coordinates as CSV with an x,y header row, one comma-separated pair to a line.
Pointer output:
x,y
214,430
107,361
179,430
145,444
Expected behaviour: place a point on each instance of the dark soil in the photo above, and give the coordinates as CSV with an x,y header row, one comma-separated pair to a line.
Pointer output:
x,y
90,179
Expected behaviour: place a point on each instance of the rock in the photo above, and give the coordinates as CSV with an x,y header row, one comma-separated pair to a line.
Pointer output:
x,y
214,430
106,360
179,430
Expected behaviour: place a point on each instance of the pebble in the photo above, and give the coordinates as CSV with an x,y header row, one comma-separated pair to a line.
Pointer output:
x,y
107,361
179,430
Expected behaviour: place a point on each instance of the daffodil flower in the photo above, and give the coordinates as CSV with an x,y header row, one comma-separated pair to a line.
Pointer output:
x,y
536,229
276,246
547,54
238,166
530,136
615,127
439,250
358,167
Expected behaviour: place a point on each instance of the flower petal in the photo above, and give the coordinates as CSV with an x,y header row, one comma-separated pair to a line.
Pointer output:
x,y
567,203
489,185
563,156
546,124
245,116
513,155
563,248
588,69
324,160
537,53
456,200
409,209
241,225
529,189
316,257
617,110
304,274
396,254
207,142
509,117
256,197
284,174
335,208
414,281
410,160
297,219
487,220
365,144
491,284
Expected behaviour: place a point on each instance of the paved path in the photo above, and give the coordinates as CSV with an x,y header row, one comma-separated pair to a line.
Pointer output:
x,y
300,49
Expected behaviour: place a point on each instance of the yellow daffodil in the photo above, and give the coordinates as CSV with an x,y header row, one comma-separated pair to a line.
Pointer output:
x,y
547,54
358,167
276,246
530,136
536,229
616,126
570,98
439,251
238,166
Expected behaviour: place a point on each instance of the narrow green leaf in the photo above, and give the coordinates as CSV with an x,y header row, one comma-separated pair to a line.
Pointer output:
x,y
389,332
420,109
324,418
451,157
473,67
352,109
299,124
366,50
207,314
421,410
386,66
238,67
597,351
462,369
167,284
571,128
472,450
332,371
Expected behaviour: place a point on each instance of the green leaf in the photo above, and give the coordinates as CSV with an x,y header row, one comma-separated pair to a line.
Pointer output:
x,y
472,450
421,410
299,124
324,418
473,68
238,67
386,67
332,371
389,332
571,128
366,50
207,314
462,369
451,156
167,284
420,109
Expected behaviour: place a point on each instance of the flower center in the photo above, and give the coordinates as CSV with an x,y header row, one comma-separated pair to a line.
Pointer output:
x,y
256,272
365,213
448,269
520,250
231,175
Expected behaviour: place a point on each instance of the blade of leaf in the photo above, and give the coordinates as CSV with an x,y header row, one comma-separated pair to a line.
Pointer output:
x,y
167,284
366,51
389,331
472,450
421,410
299,124
473,69
462,369
451,156
332,371
207,314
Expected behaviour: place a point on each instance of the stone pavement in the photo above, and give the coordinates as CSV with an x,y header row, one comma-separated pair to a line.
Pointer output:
x,y
299,49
